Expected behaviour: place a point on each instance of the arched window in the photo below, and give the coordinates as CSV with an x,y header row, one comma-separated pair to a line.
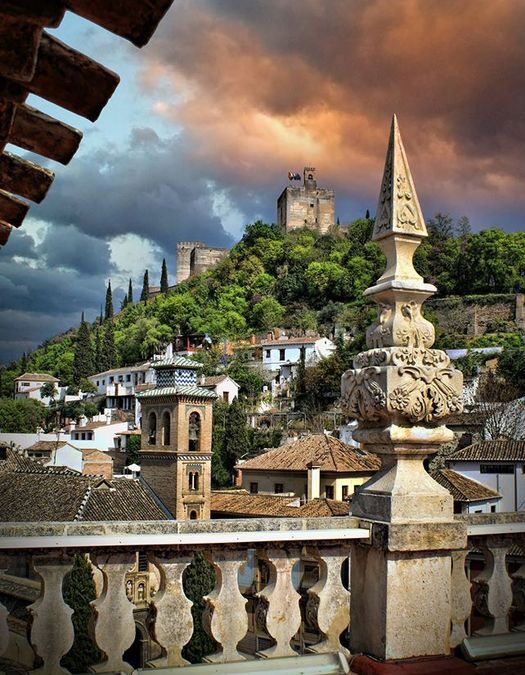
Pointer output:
x,y
166,428
193,515
194,432
152,429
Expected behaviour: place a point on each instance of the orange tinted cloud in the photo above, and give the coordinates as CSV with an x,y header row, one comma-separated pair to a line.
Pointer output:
x,y
265,86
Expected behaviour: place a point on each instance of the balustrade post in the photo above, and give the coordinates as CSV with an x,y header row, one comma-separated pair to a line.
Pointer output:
x,y
461,600
518,592
114,623
283,615
4,627
331,598
173,621
227,620
493,598
401,391
52,632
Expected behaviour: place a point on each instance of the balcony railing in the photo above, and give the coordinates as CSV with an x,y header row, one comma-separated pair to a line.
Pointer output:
x,y
300,604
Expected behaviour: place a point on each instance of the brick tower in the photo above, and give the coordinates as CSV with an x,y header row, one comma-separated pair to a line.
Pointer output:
x,y
175,454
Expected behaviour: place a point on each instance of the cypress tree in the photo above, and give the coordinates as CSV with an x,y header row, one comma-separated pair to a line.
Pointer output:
x,y
108,314
236,434
130,293
164,277
367,214
145,288
108,351
124,303
198,580
98,349
83,364
79,591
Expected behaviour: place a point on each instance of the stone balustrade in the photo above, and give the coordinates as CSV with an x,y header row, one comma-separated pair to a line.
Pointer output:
x,y
281,614
284,611
488,577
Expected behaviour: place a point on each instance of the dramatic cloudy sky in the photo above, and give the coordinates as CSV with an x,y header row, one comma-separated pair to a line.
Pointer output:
x,y
231,94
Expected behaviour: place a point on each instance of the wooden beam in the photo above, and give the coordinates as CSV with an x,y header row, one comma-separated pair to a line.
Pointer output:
x,y
13,91
12,209
24,178
7,115
135,20
34,130
5,231
71,79
42,12
19,42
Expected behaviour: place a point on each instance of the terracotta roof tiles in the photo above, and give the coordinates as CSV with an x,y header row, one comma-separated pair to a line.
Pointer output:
x,y
463,489
244,505
328,452
491,451
36,377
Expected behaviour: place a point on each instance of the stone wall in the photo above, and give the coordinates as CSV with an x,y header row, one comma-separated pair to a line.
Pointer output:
x,y
194,257
477,315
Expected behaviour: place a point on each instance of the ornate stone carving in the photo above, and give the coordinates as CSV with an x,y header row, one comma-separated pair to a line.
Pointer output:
x,y
332,599
174,621
114,625
362,397
460,597
518,593
228,621
283,617
52,631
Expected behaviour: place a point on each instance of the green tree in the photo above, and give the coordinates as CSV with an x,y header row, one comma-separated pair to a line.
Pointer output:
x,y
79,591
164,277
511,366
133,449
108,351
198,580
268,313
83,362
108,312
48,391
22,416
145,288
130,293
237,443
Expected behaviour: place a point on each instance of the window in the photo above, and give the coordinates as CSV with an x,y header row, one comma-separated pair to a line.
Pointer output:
x,y
278,488
268,353
344,492
254,488
226,397
128,378
152,429
496,468
193,515
282,354
111,379
103,382
143,562
493,508
194,432
166,427
193,480
329,492
98,383
121,378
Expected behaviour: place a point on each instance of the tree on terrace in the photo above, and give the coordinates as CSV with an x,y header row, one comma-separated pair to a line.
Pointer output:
x,y
164,277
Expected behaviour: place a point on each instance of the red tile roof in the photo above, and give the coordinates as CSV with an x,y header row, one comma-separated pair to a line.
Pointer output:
x,y
244,505
36,377
327,452
463,489
491,451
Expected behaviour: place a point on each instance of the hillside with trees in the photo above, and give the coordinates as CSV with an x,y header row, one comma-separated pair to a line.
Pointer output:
x,y
299,281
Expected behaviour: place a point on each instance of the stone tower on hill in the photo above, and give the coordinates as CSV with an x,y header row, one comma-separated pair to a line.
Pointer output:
x,y
194,257
306,206
175,455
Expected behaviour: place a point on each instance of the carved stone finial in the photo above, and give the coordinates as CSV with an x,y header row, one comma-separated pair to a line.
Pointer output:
x,y
401,390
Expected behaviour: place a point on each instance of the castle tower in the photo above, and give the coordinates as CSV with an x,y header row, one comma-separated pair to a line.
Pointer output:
x,y
184,253
175,454
306,206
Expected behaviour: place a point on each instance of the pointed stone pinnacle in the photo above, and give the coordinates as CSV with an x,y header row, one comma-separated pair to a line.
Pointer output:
x,y
398,209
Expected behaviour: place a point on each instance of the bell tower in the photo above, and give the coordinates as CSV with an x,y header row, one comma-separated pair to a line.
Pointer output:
x,y
175,454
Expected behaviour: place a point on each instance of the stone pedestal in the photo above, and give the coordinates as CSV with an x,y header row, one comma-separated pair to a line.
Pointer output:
x,y
401,392
401,590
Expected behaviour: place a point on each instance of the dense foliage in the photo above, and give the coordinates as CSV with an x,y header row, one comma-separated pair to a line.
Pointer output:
x,y
22,416
300,280
198,580
79,591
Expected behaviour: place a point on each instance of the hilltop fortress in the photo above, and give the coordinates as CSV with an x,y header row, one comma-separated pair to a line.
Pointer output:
x,y
297,207
194,257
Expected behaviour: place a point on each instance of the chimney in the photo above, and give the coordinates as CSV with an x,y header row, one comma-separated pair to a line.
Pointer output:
x,y
72,426
314,481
